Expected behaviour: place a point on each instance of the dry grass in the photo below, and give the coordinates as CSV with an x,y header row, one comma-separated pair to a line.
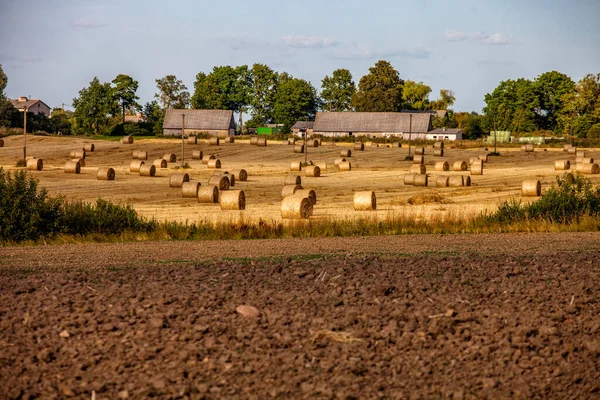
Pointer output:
x,y
339,337
427,198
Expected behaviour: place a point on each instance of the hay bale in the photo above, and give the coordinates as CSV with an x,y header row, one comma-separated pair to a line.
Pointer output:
x,y
291,141
233,200
331,144
441,181
309,194
214,141
346,153
588,168
455,181
587,160
531,188
208,194
345,166
467,180
359,146
197,155
528,148
418,159
313,171
365,201
127,140
140,155
207,158
442,166
220,181
170,158
299,148
312,143
105,174
86,147
1,142
292,180
409,179
77,154
289,190
229,139
483,157
296,166
214,164
227,174
189,190
420,180
418,169
580,153
160,163
240,174
135,165
261,142
338,161
80,161
572,150
477,167
438,145
296,207
562,165
459,166
473,160
72,167
192,140
177,179
438,152
147,170
254,140
396,144
566,147
420,151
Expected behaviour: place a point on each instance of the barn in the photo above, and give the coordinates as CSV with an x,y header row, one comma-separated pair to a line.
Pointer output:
x,y
372,124
218,123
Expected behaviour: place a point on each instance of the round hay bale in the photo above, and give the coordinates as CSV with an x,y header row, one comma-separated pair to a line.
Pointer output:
x,y
309,194
147,170
1,142
296,166
296,207
467,180
291,141
214,141
441,181
254,140
88,147
233,200
105,174
208,194
214,164
572,150
420,180
190,189
473,160
192,140
438,152
140,155
221,181
477,167
127,140
527,148
240,174
365,201
77,154
160,163
359,146
135,165
455,181
313,171
299,148
531,188
418,169
345,166
177,179
292,180
338,161
483,157
459,166
229,139
438,145
346,153
289,190
331,144
562,165
420,151
397,144
227,174
197,155
580,153
409,179
312,143
418,159
587,160
81,161
578,160
261,142
588,168
170,158
207,158
72,167
442,166
566,147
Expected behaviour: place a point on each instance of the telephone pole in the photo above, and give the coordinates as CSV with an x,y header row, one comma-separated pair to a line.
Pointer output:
x,y
182,137
25,135
409,132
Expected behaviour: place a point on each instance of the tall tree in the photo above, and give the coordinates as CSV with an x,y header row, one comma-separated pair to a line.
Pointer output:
x,y
512,106
416,95
444,101
154,116
337,91
581,107
296,99
94,106
549,88
225,88
379,90
172,93
7,111
124,88
262,94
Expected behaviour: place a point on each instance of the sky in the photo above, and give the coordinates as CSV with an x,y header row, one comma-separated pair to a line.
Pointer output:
x,y
51,49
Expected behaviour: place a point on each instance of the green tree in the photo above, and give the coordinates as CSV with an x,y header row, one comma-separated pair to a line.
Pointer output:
x,y
262,95
416,95
7,111
444,101
580,107
470,123
94,107
296,99
379,90
549,88
337,91
512,106
124,90
60,121
594,132
172,93
154,116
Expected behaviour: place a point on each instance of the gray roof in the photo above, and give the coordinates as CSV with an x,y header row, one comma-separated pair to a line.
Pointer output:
x,y
393,122
28,103
199,119
446,131
303,125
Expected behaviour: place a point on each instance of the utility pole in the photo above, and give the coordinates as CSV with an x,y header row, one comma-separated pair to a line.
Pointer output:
x,y
495,134
182,137
25,135
305,141
409,132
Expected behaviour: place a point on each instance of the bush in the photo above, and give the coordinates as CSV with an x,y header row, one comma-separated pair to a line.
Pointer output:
x,y
594,132
131,129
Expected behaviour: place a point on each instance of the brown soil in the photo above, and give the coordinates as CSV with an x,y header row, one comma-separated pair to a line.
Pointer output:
x,y
479,316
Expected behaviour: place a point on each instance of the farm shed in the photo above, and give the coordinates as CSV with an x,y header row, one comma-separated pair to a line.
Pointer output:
x,y
218,123
308,125
444,134
372,124
33,105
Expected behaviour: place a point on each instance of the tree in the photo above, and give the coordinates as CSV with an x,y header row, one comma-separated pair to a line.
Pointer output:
x,y
172,93
60,121
296,99
512,106
580,107
416,95
262,95
154,116
445,100
124,91
337,91
94,106
549,88
379,90
7,111
470,123
594,132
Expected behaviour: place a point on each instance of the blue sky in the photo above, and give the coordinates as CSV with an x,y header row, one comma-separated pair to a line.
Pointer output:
x,y
50,49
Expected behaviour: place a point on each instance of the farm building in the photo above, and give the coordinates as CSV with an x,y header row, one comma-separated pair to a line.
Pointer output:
x,y
307,125
372,124
213,122
33,106
444,134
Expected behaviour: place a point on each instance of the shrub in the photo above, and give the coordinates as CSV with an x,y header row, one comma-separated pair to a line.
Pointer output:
x,y
594,132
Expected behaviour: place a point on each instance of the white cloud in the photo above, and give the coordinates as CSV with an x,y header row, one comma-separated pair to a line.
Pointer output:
x,y
453,36
496,38
314,42
84,23
481,37
359,52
